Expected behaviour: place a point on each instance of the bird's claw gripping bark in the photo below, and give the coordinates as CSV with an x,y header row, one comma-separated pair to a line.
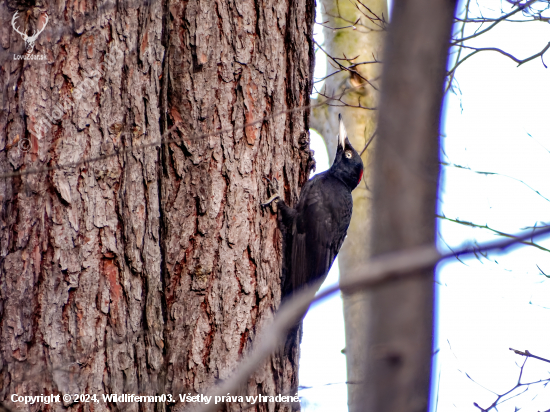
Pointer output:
x,y
273,187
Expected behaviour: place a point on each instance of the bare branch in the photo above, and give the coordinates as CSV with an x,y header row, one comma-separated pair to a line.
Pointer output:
x,y
342,67
368,144
529,355
353,66
459,42
497,21
498,232
342,103
339,28
495,174
451,74
487,20
495,49
499,397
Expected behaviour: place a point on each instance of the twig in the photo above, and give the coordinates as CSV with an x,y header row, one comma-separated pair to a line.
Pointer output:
x,y
350,67
487,20
342,67
451,74
498,232
368,143
529,355
338,28
518,384
497,21
479,172
495,49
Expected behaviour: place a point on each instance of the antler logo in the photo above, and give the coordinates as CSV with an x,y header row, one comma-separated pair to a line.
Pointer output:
x,y
29,40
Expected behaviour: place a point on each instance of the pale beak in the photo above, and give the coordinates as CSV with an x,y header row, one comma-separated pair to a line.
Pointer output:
x,y
342,135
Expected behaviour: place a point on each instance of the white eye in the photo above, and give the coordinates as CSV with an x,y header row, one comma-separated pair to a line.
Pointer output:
x,y
348,154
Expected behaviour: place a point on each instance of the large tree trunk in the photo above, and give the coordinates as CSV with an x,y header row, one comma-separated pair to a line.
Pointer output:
x,y
150,271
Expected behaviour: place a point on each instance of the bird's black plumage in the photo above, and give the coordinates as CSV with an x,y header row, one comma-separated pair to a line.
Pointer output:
x,y
314,231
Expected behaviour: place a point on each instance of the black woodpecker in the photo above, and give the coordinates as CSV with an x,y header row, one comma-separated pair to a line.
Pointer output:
x,y
314,232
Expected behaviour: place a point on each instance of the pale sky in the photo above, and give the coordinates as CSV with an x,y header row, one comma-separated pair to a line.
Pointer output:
x,y
497,123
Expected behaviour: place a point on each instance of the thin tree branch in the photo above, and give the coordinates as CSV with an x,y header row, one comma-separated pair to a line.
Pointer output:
x,y
354,65
368,143
495,174
338,28
518,384
497,21
487,20
342,67
498,232
451,74
495,49
529,355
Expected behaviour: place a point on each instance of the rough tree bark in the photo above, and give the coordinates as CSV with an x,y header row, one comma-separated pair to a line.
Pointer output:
x,y
150,271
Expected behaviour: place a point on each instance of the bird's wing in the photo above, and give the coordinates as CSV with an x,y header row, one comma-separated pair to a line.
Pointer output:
x,y
318,233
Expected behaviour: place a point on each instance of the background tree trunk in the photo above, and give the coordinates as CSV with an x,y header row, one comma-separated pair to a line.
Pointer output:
x,y
406,176
365,42
153,270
